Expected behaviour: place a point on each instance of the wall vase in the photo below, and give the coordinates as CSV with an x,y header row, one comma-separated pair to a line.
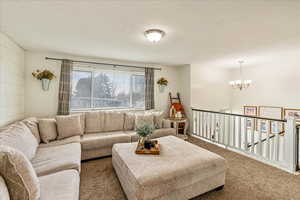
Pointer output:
x,y
161,88
45,84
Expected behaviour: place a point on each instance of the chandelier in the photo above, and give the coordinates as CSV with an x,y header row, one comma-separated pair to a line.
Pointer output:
x,y
240,84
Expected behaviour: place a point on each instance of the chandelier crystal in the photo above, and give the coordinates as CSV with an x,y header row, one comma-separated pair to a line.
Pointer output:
x,y
240,84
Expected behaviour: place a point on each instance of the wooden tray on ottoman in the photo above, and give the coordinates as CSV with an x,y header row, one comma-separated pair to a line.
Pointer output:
x,y
140,149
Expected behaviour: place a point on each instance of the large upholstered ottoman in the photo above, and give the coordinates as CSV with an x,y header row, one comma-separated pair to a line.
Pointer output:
x,y
182,170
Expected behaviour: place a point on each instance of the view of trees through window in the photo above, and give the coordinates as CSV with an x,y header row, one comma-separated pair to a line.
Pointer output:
x,y
107,89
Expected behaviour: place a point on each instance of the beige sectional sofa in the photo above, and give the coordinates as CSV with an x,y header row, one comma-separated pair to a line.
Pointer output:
x,y
57,162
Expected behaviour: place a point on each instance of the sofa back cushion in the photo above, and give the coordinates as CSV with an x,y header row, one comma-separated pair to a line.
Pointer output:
x,y
113,121
48,130
129,121
68,126
33,124
19,136
94,121
4,195
142,119
19,175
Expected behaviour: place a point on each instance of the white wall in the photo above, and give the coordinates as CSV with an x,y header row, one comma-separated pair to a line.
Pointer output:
x,y
275,83
44,103
275,75
171,73
209,87
184,81
11,81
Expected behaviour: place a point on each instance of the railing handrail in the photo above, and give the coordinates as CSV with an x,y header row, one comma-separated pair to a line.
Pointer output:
x,y
239,115
263,140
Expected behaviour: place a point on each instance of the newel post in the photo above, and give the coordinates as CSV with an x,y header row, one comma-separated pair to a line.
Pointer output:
x,y
290,145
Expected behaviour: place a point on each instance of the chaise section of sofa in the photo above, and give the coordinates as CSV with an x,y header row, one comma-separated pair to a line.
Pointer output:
x,y
57,158
56,164
62,185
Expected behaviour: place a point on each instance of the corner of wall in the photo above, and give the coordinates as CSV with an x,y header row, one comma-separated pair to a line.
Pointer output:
x,y
11,81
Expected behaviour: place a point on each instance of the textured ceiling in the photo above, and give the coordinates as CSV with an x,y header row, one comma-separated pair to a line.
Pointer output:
x,y
195,30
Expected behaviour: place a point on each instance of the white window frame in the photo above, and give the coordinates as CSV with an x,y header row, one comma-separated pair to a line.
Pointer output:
x,y
95,69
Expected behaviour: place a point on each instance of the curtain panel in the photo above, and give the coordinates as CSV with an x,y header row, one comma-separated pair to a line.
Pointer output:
x,y
65,88
149,88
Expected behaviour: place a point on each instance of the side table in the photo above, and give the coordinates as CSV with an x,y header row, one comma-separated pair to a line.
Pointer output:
x,y
176,122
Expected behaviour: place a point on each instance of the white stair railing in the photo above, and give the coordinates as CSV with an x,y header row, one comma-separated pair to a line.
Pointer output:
x,y
271,141
291,145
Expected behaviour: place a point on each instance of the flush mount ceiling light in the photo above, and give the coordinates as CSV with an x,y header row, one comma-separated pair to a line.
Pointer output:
x,y
154,35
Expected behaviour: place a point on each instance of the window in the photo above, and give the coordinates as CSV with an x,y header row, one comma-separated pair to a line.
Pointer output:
x,y
106,89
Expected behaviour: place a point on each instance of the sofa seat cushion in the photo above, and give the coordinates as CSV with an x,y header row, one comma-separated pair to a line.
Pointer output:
x,y
133,136
63,185
57,158
101,140
69,140
163,132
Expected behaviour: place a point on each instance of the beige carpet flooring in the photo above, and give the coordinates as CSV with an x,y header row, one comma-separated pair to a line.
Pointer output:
x,y
245,179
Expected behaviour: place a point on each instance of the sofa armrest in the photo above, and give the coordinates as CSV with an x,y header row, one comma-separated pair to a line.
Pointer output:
x,y
166,123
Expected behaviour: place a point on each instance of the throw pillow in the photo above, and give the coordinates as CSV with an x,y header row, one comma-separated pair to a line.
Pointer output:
x,y
143,119
19,136
48,130
129,122
32,124
19,175
158,119
68,126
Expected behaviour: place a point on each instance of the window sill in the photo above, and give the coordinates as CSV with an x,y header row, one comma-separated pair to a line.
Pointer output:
x,y
106,109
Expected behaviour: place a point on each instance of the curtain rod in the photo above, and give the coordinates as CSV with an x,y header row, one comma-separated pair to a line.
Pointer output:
x,y
98,63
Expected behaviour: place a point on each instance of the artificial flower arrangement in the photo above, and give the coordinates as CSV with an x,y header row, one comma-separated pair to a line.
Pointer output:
x,y
162,81
45,74
144,132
